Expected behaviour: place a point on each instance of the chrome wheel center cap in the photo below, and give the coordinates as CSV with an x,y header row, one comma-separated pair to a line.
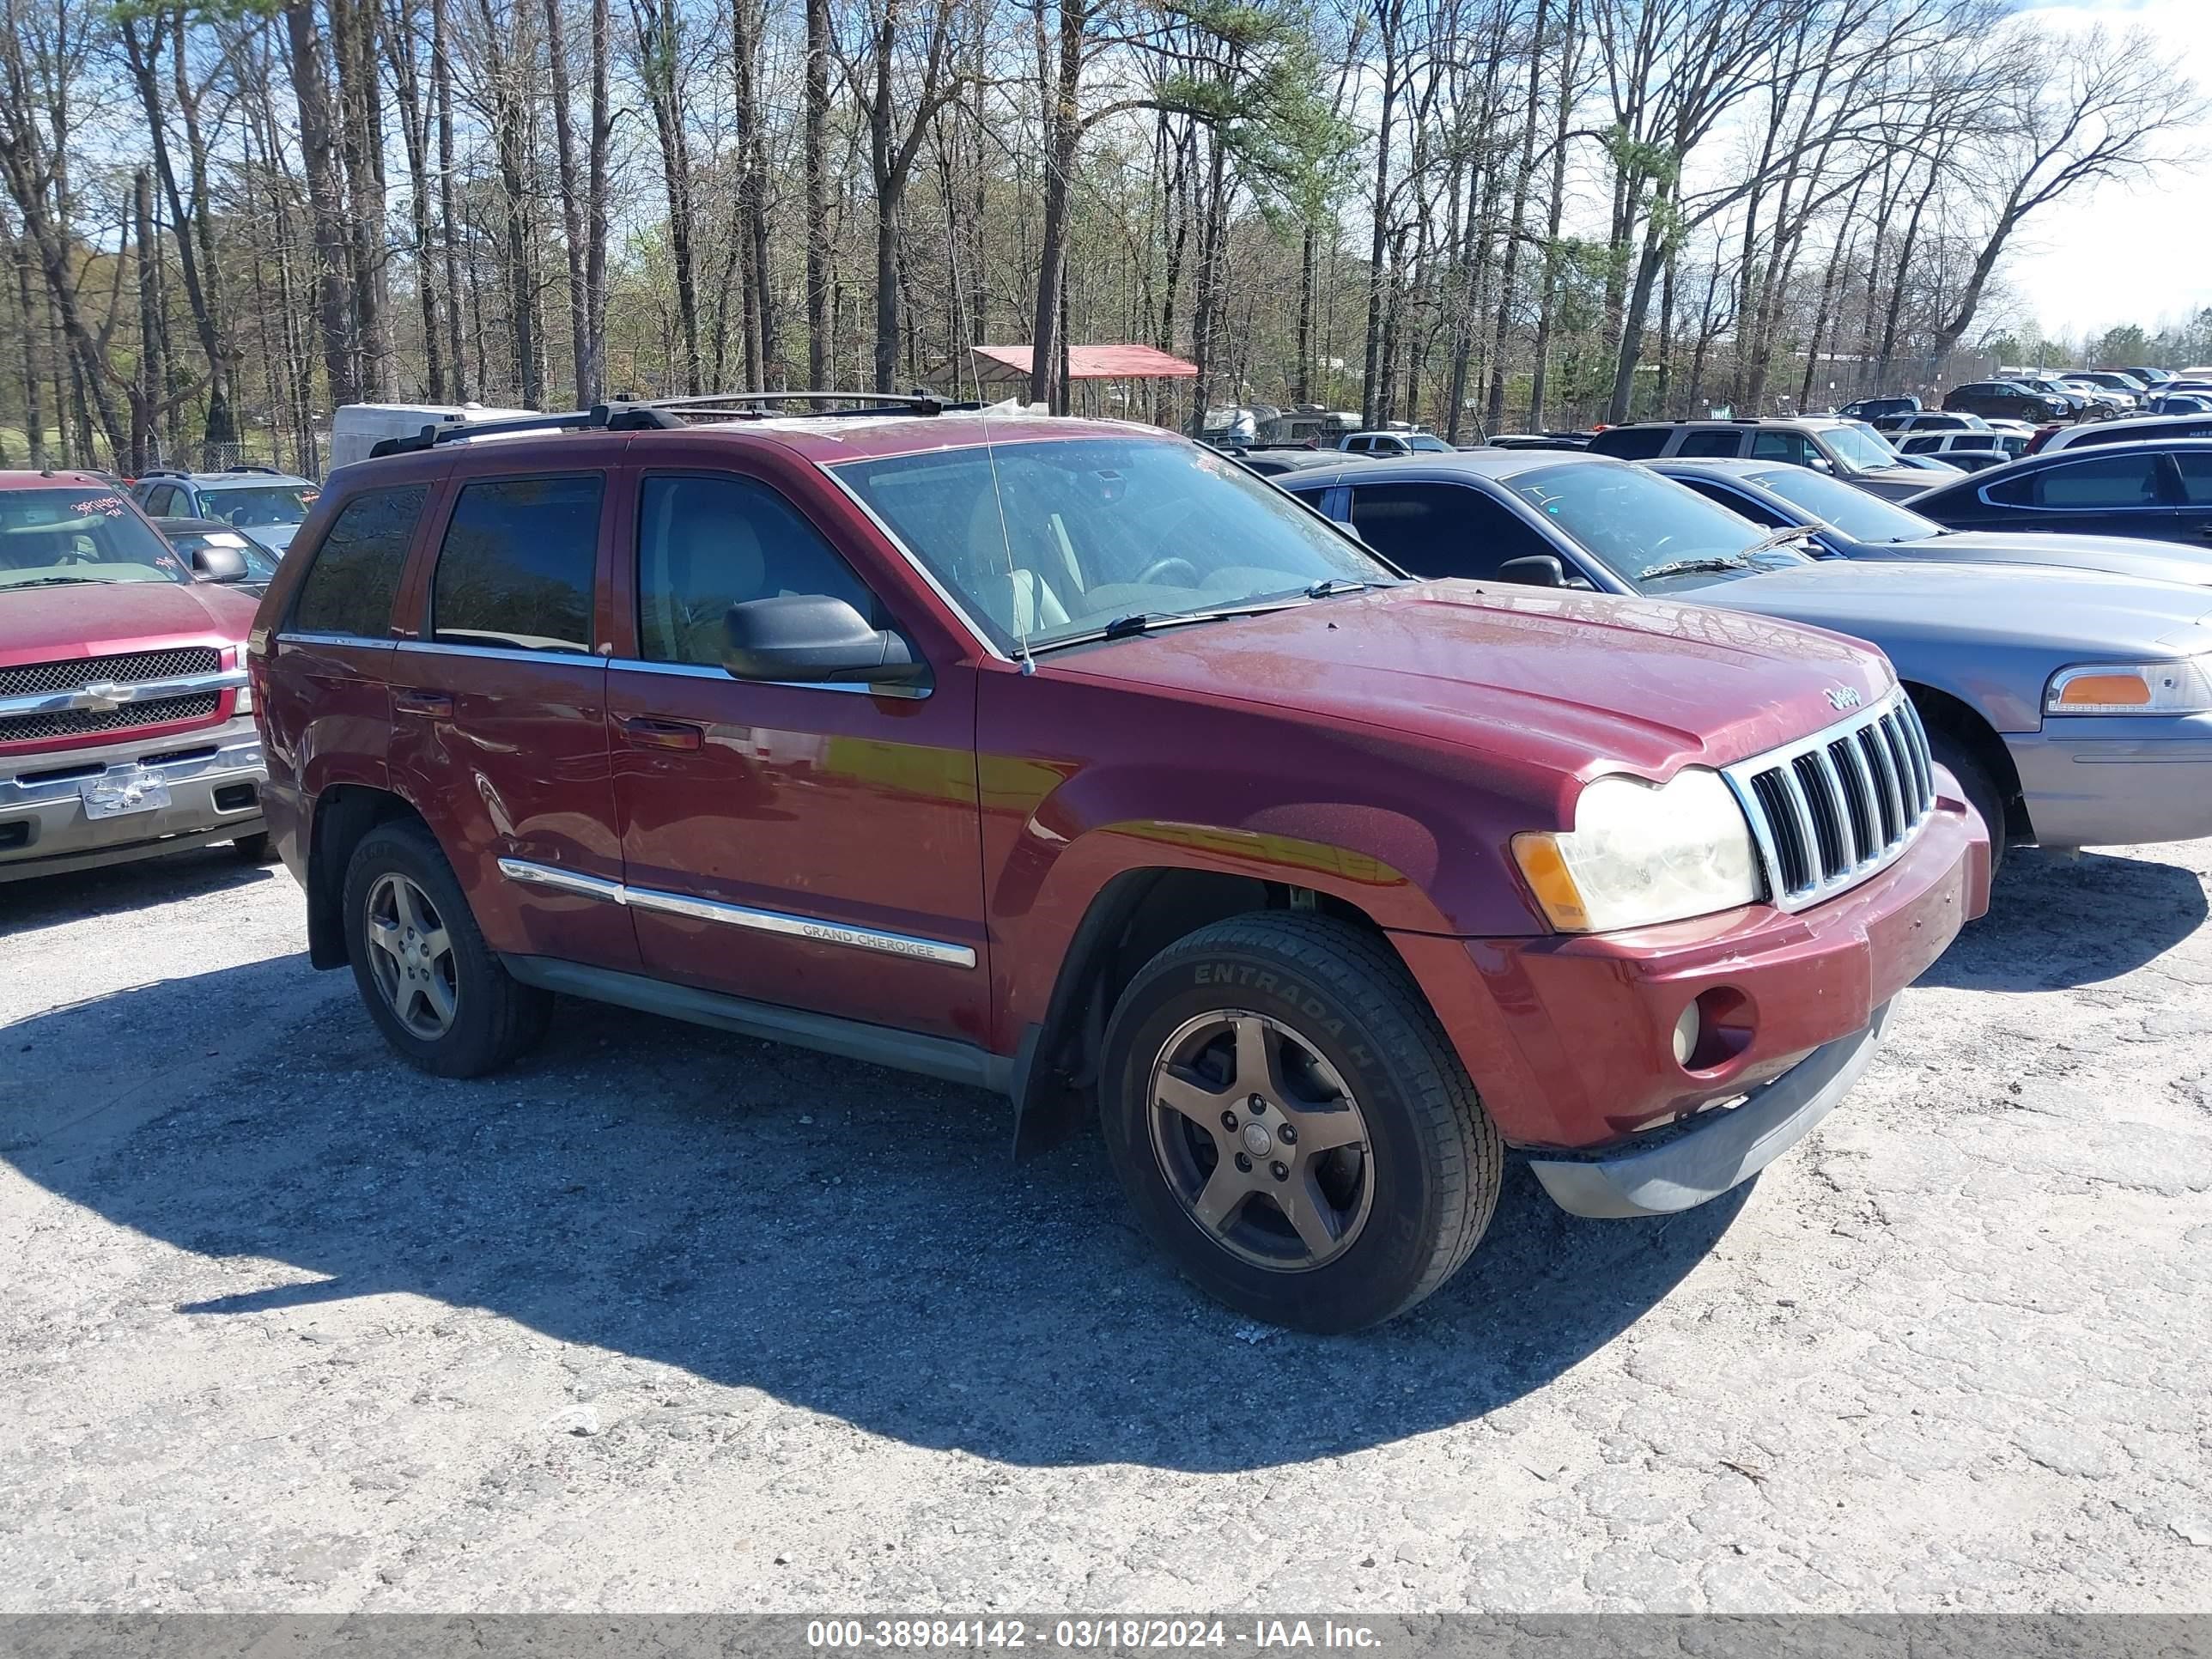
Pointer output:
x,y
1257,1140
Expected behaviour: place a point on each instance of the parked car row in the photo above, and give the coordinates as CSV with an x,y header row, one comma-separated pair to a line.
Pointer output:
x,y
1322,837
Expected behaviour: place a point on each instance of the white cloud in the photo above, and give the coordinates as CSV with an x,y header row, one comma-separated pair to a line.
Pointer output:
x,y
2132,252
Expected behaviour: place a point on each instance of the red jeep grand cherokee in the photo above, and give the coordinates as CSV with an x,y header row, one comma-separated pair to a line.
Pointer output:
x,y
1071,761
123,723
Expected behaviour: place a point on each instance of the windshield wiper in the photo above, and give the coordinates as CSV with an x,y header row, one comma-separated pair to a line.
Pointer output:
x,y
57,581
1782,537
1122,627
1692,567
1334,584
1144,622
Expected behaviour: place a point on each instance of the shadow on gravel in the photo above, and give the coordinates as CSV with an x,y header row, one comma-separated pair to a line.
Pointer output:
x,y
851,1241
2057,921
45,901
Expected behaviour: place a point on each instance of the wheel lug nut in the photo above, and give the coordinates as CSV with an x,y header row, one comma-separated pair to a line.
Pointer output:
x,y
1287,1135
1244,1163
1229,1121
1257,1104
1280,1171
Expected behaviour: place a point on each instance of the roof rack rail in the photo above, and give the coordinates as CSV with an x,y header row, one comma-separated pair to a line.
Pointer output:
x,y
870,403
253,467
617,416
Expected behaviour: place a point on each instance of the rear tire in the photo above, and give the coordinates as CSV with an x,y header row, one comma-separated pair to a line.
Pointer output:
x,y
1292,1127
433,988
1976,784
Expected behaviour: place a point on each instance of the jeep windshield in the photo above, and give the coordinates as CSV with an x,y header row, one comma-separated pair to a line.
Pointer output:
x,y
1657,536
1058,541
257,506
1858,447
67,537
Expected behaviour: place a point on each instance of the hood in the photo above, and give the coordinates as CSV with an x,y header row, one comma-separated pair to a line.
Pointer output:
x,y
53,624
1581,682
2085,613
274,536
2116,556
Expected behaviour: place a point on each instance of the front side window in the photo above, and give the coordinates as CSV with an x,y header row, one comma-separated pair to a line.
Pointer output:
x,y
355,574
2103,481
1789,447
706,543
1736,502
515,570
1050,539
1651,531
1442,530
76,537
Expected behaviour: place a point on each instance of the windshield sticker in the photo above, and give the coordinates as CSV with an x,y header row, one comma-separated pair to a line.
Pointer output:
x,y
110,505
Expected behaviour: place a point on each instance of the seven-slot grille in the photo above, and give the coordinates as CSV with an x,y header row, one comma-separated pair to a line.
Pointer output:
x,y
42,678
1829,811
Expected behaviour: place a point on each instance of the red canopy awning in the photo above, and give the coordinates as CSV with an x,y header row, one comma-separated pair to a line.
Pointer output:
x,y
1007,363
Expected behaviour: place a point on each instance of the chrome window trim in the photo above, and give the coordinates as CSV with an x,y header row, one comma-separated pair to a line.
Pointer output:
x,y
739,915
109,694
829,470
699,671
502,653
309,637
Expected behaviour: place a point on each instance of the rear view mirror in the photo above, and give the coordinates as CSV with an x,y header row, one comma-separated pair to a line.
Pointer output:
x,y
218,564
812,638
1534,571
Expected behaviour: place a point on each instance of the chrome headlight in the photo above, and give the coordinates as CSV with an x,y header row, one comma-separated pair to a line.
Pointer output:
x,y
2181,686
1641,854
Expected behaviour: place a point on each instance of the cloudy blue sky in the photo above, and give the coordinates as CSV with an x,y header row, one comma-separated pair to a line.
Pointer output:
x,y
2126,254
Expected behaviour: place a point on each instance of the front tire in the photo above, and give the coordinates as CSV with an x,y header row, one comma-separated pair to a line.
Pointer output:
x,y
1291,1125
433,988
1979,787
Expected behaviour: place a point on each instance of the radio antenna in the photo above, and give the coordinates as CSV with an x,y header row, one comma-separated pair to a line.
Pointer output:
x,y
1006,545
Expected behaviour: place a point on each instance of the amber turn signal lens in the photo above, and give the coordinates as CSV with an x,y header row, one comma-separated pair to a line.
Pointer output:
x,y
1546,870
2104,691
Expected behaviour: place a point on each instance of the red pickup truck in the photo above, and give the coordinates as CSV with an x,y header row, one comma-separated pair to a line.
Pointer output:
x,y
1070,760
125,726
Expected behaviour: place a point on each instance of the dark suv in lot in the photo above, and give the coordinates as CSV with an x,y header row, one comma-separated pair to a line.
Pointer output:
x,y
2004,400
1070,761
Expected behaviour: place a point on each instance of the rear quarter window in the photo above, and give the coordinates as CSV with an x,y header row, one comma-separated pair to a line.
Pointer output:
x,y
350,585
1632,443
517,568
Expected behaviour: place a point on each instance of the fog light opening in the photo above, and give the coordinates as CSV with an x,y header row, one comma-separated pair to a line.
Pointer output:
x,y
1715,1030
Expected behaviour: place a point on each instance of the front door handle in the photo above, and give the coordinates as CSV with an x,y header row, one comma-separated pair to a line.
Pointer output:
x,y
645,733
434,705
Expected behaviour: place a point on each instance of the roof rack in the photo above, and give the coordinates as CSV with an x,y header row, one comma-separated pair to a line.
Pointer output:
x,y
253,467
667,414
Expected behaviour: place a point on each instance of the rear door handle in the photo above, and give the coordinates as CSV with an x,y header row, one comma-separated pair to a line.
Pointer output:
x,y
645,733
436,705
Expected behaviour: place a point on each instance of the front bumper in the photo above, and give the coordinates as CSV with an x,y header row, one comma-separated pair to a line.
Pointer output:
x,y
1570,1039
214,779
2116,779
1707,1155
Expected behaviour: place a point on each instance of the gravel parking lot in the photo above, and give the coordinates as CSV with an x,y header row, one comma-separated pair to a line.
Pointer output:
x,y
668,1320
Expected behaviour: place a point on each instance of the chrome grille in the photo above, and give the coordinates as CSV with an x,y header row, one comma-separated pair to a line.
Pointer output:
x,y
82,722
1830,809
32,679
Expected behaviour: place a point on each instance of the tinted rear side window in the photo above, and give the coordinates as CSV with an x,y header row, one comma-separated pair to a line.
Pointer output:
x,y
1632,443
2103,482
1711,443
516,567
1442,530
355,575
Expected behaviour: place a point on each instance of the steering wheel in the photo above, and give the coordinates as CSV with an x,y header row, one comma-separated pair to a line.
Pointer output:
x,y
1158,568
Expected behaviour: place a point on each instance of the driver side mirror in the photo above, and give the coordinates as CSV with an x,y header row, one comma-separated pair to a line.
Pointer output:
x,y
218,564
1820,463
1534,571
812,638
